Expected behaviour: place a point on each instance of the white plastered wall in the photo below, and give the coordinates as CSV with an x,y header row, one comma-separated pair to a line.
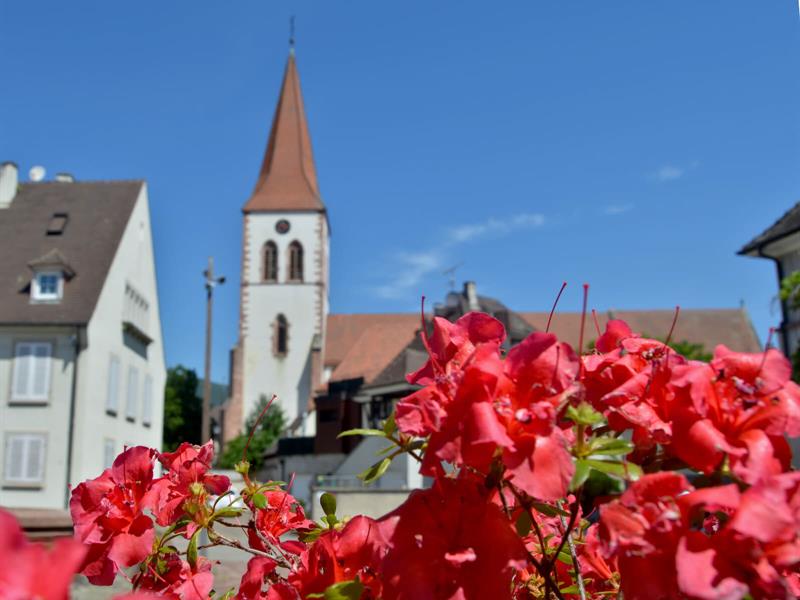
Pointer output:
x,y
133,264
305,306
50,417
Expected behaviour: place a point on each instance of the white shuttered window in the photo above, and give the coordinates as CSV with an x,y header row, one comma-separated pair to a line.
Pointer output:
x,y
147,401
112,394
32,371
25,454
133,392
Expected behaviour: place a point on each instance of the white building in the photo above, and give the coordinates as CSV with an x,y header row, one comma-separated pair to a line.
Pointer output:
x,y
81,356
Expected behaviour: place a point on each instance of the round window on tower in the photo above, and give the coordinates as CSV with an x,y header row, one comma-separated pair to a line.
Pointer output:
x,y
282,226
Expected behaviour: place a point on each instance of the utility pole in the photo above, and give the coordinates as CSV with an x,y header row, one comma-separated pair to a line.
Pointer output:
x,y
211,283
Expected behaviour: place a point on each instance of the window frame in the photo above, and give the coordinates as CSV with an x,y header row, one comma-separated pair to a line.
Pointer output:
x,y
113,410
37,295
109,444
147,400
295,272
280,323
131,399
270,262
25,482
28,397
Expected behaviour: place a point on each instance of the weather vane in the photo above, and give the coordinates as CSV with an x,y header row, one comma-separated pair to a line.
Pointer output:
x,y
291,32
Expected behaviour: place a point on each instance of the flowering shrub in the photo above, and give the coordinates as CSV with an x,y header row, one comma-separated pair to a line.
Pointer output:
x,y
628,472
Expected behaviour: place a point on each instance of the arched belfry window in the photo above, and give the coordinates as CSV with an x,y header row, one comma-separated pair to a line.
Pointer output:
x,y
295,261
281,336
270,261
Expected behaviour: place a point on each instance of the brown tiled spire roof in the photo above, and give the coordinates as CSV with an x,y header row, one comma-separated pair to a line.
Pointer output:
x,y
288,179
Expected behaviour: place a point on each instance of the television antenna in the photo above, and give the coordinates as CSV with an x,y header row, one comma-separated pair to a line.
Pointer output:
x,y
451,275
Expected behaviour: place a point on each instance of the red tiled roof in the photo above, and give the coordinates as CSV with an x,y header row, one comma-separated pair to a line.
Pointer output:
x,y
288,179
373,350
708,327
362,345
344,331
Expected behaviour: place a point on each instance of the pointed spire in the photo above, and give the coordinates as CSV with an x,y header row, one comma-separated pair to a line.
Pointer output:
x,y
288,179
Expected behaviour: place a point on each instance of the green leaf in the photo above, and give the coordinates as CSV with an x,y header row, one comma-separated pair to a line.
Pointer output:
x,y
628,471
310,536
609,446
228,511
565,557
582,470
367,432
571,589
524,524
584,414
259,500
344,590
375,471
549,510
191,551
328,503
390,426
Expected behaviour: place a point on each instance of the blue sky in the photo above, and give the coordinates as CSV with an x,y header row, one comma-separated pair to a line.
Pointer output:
x,y
633,145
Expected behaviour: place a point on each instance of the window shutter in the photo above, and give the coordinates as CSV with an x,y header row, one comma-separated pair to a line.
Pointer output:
x,y
112,397
22,369
34,468
133,390
15,456
41,371
147,401
108,453
25,455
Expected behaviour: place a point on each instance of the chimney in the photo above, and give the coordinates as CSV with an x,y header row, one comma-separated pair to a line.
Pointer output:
x,y
9,180
471,293
65,177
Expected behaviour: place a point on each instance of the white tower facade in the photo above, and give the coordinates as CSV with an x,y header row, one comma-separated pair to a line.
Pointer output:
x,y
284,282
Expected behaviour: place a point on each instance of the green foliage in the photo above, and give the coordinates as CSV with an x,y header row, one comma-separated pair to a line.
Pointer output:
x,y
790,289
685,348
268,431
182,408
692,351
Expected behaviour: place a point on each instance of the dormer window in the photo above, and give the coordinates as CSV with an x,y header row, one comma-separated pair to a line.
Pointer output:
x,y
49,273
47,286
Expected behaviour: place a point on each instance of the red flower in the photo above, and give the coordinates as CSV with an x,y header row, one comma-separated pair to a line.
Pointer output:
x,y
187,484
174,578
449,541
740,406
338,556
22,563
261,572
282,514
643,529
108,517
479,403
452,344
538,373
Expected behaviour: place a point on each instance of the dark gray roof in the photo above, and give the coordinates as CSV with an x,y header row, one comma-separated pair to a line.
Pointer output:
x,y
97,214
789,223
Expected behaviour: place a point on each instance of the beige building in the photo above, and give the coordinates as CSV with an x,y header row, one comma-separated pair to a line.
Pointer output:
x,y
81,357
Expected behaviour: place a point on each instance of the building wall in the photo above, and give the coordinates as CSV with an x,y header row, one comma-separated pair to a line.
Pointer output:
x,y
305,306
49,417
134,266
368,502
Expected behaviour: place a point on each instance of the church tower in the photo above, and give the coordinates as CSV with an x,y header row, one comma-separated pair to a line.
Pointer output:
x,y
284,280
